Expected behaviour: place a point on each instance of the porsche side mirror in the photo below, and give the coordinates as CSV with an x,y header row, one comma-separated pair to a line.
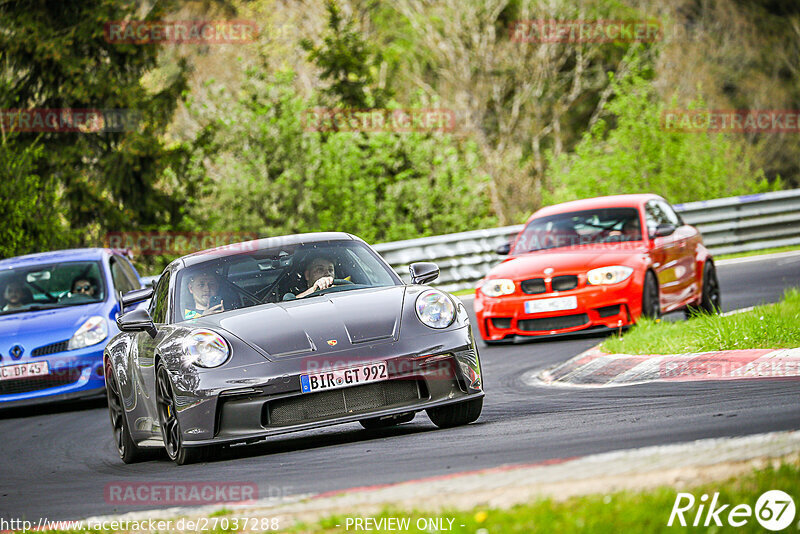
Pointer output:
x,y
504,249
137,320
132,297
423,272
663,230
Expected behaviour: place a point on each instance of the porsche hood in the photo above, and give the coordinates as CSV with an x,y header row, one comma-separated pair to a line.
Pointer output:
x,y
318,324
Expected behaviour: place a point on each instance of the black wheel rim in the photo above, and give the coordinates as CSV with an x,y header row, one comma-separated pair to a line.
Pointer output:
x,y
652,300
713,290
115,411
170,429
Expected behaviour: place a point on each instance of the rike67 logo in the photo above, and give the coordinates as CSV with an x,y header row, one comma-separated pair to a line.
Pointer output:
x,y
774,510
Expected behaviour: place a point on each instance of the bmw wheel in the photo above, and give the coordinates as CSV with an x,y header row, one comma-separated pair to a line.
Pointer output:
x,y
651,308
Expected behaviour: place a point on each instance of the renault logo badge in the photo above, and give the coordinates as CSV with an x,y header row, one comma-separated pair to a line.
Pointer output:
x,y
16,352
332,342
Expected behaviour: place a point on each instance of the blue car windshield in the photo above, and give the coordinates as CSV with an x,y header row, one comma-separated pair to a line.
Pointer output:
x,y
48,286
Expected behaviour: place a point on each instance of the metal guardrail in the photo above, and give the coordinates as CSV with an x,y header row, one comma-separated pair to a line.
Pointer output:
x,y
728,225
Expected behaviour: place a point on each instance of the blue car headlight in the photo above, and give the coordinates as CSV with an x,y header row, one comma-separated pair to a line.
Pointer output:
x,y
205,348
91,332
435,309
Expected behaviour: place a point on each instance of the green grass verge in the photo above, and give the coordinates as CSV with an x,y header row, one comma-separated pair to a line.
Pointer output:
x,y
462,292
764,327
773,250
627,511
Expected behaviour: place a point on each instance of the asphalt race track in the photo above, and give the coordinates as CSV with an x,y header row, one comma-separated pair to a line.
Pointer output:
x,y
56,462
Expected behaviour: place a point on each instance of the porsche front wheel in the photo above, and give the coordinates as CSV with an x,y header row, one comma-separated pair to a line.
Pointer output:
x,y
170,425
459,414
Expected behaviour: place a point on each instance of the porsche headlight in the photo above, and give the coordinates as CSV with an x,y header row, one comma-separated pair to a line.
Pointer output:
x,y
205,348
92,332
609,275
435,309
497,287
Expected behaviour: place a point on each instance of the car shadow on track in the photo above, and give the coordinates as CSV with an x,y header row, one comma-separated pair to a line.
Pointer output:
x,y
53,408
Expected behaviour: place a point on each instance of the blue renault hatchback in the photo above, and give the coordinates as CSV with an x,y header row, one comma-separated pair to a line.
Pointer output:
x,y
57,312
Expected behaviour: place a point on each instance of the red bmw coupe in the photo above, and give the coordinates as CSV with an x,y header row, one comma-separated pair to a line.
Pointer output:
x,y
587,265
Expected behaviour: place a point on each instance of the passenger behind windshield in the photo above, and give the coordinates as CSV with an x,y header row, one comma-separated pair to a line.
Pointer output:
x,y
84,285
16,295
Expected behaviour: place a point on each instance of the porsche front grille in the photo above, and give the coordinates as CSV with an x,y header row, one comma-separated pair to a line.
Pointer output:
x,y
340,402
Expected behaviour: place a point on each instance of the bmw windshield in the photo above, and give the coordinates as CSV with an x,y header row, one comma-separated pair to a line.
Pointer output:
x,y
588,227
58,285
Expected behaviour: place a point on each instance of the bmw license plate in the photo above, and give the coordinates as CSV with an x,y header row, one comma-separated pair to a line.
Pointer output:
x,y
24,370
551,305
340,378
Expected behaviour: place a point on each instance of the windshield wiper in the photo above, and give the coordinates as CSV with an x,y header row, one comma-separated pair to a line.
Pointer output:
x,y
38,307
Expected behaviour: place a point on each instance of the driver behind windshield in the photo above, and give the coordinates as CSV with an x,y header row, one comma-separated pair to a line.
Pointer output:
x,y
204,290
318,274
83,285
16,295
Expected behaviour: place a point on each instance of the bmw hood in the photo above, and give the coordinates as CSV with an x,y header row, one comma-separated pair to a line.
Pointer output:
x,y
318,324
565,261
34,329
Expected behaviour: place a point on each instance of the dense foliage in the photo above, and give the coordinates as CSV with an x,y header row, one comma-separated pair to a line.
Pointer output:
x,y
223,144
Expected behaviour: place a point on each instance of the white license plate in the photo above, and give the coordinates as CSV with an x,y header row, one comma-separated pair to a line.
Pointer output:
x,y
24,370
551,305
341,378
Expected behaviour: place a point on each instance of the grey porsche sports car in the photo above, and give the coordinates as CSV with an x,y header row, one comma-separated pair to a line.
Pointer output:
x,y
284,334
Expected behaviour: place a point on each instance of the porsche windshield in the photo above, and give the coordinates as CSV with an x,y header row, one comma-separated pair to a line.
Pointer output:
x,y
297,271
607,225
50,286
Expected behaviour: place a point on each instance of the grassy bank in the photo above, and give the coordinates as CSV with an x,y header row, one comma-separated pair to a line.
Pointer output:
x,y
646,511
763,327
761,252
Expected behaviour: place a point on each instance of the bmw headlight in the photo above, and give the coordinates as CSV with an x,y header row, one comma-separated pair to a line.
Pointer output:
x,y
92,332
205,348
609,275
435,309
497,287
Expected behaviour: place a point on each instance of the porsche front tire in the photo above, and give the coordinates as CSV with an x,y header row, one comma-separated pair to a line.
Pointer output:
x,y
459,414
170,425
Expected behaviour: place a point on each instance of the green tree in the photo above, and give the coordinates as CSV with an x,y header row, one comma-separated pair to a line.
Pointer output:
x,y
26,200
273,176
55,55
633,153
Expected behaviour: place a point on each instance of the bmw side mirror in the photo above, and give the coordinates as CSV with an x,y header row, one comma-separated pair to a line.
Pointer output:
x,y
137,320
423,272
504,249
663,230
